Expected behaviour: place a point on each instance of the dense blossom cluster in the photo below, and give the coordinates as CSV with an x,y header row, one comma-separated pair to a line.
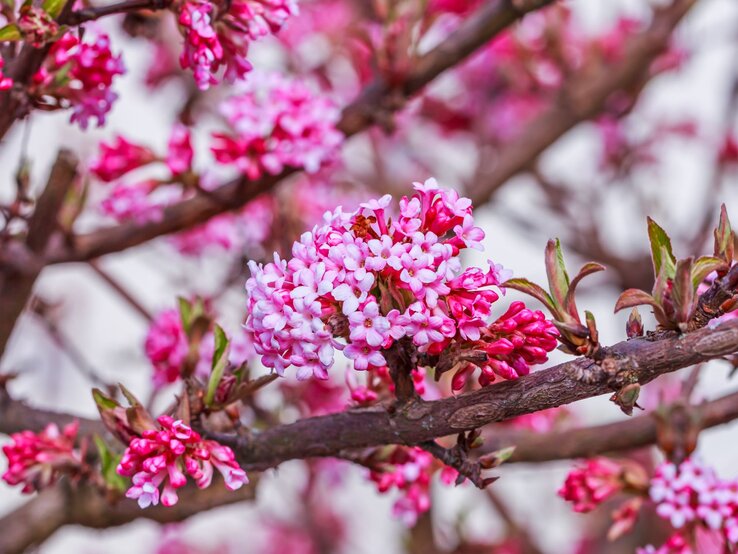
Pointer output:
x,y
278,122
590,484
692,492
36,460
370,280
409,470
217,35
79,74
162,458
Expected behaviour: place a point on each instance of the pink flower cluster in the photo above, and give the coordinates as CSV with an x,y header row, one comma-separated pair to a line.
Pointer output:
x,y
218,35
371,279
692,492
143,200
36,460
163,458
409,470
36,25
278,122
590,484
80,74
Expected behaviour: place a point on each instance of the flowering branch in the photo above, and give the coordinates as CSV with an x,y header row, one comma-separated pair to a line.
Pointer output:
x,y
93,13
640,360
378,97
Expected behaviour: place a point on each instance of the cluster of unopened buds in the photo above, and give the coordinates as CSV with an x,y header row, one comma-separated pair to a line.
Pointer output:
x,y
78,74
217,34
278,122
409,470
37,460
162,459
364,280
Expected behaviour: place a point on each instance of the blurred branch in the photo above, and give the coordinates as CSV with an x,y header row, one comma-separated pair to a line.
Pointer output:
x,y
584,95
374,105
16,287
625,435
122,292
66,504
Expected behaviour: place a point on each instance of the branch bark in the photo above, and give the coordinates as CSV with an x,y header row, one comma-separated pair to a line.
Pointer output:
x,y
16,287
64,504
373,104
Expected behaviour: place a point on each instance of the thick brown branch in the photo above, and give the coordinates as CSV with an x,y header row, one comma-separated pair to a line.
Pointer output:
x,y
420,421
15,288
584,96
378,98
43,515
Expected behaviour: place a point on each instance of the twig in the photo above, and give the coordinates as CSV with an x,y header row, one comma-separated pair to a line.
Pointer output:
x,y
122,292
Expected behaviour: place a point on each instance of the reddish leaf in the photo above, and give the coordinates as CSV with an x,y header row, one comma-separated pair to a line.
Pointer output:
x,y
531,289
570,305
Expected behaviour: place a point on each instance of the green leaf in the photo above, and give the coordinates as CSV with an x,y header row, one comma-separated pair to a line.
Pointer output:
x,y
132,400
54,7
683,291
724,241
10,33
661,252
103,401
185,313
570,304
537,292
108,465
703,266
558,280
220,361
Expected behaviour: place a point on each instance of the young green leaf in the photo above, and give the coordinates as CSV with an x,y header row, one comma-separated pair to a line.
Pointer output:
x,y
108,464
220,361
724,241
661,252
10,33
558,280
703,266
53,7
683,290
570,304
185,313
537,292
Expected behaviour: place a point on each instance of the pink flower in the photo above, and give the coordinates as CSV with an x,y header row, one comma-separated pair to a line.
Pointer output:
x,y
278,123
222,41
118,158
591,483
36,25
180,153
166,347
126,202
37,460
160,460
363,280
80,73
